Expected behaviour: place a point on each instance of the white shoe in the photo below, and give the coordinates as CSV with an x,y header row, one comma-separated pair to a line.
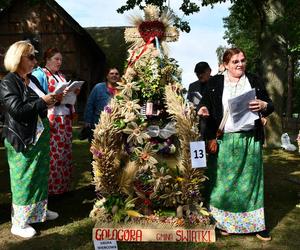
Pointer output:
x,y
24,232
50,215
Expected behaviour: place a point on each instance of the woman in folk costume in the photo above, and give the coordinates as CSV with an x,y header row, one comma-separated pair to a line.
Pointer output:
x,y
60,118
235,164
26,134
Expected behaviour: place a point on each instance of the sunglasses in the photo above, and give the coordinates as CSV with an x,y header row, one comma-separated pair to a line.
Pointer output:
x,y
243,61
31,57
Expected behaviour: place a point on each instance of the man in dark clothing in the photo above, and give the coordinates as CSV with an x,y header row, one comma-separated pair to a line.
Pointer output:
x,y
198,88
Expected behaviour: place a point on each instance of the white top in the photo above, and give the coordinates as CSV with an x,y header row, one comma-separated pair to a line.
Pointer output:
x,y
233,89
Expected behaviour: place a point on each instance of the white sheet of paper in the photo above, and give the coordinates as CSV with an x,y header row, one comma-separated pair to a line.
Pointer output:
x,y
196,97
239,109
69,98
75,85
61,88
198,154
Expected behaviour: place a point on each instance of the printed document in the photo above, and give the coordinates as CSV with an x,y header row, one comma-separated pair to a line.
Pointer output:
x,y
61,87
70,97
239,109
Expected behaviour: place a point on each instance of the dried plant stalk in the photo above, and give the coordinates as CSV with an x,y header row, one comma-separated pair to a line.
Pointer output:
x,y
187,131
106,151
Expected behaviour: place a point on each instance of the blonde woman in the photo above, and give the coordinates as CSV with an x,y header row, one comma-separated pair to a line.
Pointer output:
x,y
26,133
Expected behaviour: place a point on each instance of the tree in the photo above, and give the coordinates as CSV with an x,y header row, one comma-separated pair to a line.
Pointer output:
x,y
242,29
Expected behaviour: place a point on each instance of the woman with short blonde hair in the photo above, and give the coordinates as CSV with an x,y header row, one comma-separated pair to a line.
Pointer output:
x,y
26,133
14,54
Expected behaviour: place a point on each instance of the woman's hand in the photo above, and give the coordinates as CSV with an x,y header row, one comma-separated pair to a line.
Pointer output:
x,y
65,92
212,146
59,97
50,99
257,105
203,111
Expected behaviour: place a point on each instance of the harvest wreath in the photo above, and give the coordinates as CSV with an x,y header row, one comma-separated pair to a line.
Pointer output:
x,y
141,154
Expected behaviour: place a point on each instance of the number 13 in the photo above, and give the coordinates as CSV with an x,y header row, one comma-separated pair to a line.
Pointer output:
x,y
200,152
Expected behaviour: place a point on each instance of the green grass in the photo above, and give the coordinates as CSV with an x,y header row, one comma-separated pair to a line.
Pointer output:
x,y
73,229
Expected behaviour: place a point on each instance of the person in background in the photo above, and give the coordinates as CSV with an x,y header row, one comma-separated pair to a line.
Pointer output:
x,y
235,162
99,98
26,133
197,89
202,71
60,118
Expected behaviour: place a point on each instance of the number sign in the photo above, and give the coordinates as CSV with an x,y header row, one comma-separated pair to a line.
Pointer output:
x,y
198,154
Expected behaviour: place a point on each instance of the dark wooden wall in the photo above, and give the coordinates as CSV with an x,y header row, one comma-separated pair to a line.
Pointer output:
x,y
46,24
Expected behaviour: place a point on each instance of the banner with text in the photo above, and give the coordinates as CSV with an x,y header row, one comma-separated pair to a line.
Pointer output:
x,y
158,235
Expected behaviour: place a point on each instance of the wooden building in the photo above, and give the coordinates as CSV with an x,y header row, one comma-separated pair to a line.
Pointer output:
x,y
46,24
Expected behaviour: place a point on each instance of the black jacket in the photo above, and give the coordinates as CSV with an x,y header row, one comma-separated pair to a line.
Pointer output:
x,y
22,107
213,101
196,86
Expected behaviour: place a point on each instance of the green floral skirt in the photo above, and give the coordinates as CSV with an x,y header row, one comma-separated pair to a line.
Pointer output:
x,y
29,174
235,190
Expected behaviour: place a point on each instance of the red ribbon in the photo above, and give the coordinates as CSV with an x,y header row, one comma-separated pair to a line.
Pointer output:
x,y
130,63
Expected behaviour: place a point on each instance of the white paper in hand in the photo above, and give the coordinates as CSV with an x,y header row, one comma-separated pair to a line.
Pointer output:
x,y
70,97
75,85
61,87
239,110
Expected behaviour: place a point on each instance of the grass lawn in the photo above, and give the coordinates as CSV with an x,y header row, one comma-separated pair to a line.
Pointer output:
x,y
73,229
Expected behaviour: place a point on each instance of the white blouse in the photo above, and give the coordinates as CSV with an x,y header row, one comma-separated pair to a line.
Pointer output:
x,y
233,89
